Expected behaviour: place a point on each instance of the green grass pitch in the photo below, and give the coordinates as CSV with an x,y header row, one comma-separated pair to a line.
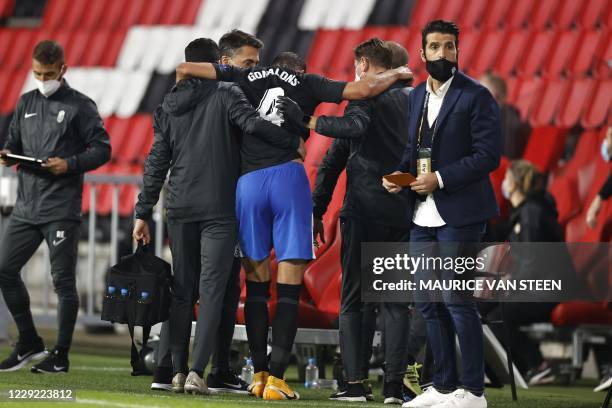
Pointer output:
x,y
105,381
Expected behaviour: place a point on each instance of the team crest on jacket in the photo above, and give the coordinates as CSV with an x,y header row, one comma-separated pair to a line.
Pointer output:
x,y
60,116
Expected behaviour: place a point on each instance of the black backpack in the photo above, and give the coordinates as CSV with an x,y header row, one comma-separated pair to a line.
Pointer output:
x,y
138,293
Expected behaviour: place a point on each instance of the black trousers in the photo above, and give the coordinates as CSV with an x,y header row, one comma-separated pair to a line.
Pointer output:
x,y
205,268
19,242
517,315
357,319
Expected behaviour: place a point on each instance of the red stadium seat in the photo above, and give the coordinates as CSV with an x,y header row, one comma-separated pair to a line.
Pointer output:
x,y
423,12
547,106
137,139
114,44
451,10
520,13
593,13
316,147
55,12
565,191
322,50
575,102
545,147
113,14
511,53
598,109
92,19
6,8
601,67
77,46
133,13
472,13
568,12
528,92
73,18
577,313
12,91
496,14
590,42
323,270
343,55
190,12
542,17
374,32
98,41
468,46
330,301
497,178
563,51
539,50
172,12
487,53
128,192
20,50
152,12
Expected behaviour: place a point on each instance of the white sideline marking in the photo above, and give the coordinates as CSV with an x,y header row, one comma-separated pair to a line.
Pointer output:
x,y
94,368
113,404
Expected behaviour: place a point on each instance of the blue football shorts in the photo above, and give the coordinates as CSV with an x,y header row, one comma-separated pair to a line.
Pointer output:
x,y
274,210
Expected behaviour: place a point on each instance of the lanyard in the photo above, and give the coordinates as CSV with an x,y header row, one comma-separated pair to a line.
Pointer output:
x,y
419,134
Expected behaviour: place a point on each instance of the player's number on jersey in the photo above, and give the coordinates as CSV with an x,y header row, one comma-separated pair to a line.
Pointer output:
x,y
267,106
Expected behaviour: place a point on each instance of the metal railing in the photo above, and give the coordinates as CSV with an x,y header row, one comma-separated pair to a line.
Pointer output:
x,y
92,267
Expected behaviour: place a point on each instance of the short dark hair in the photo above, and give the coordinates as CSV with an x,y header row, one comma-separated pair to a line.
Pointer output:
x,y
235,39
376,51
440,26
498,82
399,55
48,52
289,60
202,50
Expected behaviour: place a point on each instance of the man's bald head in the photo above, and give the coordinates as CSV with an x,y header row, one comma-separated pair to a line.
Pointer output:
x,y
399,55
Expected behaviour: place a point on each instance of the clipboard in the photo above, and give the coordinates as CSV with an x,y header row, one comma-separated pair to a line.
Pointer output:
x,y
25,160
401,179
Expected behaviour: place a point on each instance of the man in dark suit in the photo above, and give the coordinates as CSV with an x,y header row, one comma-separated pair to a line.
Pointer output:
x,y
454,143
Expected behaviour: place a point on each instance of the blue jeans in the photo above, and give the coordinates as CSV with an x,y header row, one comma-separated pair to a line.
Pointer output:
x,y
449,317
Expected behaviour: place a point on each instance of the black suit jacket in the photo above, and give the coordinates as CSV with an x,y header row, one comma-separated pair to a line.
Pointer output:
x,y
466,148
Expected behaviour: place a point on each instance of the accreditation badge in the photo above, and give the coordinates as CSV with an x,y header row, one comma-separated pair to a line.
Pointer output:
x,y
424,161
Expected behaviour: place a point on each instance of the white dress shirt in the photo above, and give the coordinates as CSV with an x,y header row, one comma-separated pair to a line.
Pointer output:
x,y
425,213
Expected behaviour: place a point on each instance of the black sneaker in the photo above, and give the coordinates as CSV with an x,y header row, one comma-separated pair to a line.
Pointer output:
x,y
162,379
541,375
22,354
352,393
393,394
56,362
226,382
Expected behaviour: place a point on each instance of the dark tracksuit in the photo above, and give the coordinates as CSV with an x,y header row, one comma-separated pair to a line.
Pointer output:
x,y
370,138
197,137
65,125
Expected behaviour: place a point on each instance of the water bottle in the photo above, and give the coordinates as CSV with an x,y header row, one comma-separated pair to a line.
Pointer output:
x,y
312,374
248,371
111,291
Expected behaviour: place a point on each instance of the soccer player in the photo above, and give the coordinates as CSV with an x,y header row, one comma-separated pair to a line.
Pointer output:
x,y
274,206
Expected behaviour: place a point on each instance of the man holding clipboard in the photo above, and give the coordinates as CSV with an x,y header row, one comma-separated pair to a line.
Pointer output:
x,y
56,135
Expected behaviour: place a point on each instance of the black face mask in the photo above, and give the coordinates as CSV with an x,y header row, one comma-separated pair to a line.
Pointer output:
x,y
441,69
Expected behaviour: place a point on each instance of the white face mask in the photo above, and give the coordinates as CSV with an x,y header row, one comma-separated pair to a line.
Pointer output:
x,y
47,88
